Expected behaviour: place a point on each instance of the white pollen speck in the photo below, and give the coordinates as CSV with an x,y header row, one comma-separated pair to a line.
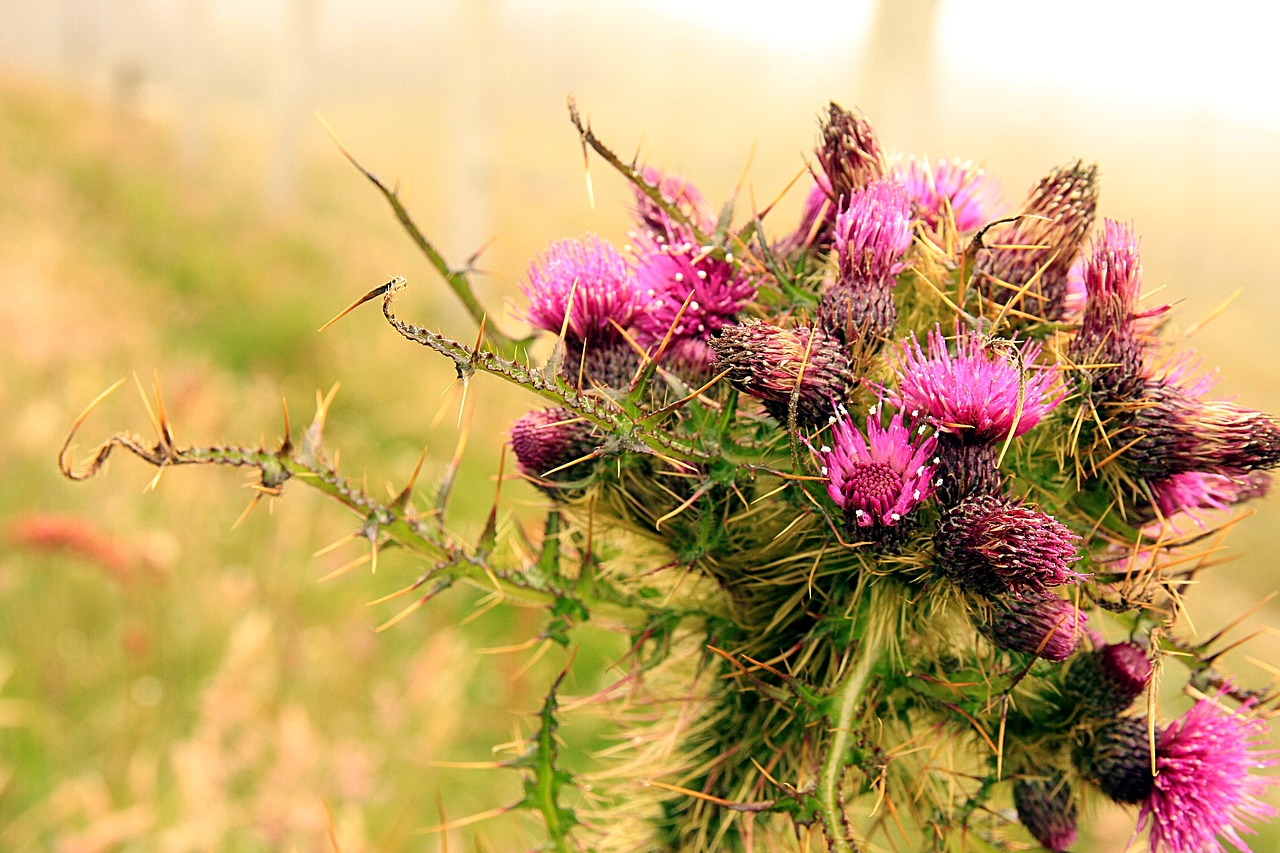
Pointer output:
x,y
728,256
842,409
938,482
702,274
859,513
679,276
873,408
824,470
825,449
831,419
694,306
915,413
937,461
923,429
895,516
915,495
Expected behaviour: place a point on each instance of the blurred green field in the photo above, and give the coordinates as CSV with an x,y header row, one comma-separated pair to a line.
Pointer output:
x,y
166,682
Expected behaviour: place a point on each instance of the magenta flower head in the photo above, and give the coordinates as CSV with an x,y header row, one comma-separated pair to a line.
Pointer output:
x,y
587,280
871,234
974,394
1192,492
1039,248
679,193
948,191
849,152
548,443
1048,811
1110,346
670,275
1105,681
995,546
880,479
1040,624
768,362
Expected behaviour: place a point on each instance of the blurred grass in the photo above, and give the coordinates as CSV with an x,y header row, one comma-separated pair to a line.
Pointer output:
x,y
174,684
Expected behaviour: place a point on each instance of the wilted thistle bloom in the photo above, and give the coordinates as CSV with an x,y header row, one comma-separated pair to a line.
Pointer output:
x,y
992,545
1040,247
1105,681
716,290
948,190
683,196
880,479
767,361
850,153
1040,624
1048,811
589,281
871,234
1110,346
548,441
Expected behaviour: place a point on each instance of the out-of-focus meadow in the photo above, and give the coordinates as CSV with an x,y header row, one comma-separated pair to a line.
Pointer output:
x,y
169,208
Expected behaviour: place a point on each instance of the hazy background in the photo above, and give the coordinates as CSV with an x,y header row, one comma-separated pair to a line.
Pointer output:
x,y
170,205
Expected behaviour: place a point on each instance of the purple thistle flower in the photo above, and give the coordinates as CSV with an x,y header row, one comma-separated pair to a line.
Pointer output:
x,y
684,196
1191,492
598,279
765,361
879,479
849,152
871,234
668,275
1105,681
948,190
1041,246
974,394
545,441
995,546
1048,811
1041,624
1203,789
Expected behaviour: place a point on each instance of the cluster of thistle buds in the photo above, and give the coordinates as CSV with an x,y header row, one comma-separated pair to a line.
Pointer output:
x,y
959,401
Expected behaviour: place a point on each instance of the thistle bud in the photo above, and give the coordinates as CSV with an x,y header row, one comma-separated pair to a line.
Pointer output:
x,y
1105,681
1039,248
1119,760
1048,811
849,152
547,443
1043,625
995,546
767,361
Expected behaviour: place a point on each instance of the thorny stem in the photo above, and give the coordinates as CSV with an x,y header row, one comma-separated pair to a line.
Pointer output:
x,y
839,837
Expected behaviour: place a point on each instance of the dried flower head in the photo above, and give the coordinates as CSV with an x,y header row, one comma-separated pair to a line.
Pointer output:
x,y
1040,624
587,280
1047,809
768,362
1036,251
954,191
880,479
995,546
849,152
982,393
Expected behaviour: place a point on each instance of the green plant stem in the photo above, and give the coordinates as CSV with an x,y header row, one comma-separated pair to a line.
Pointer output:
x,y
839,838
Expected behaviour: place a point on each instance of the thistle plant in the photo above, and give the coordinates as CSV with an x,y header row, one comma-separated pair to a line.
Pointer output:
x,y
897,507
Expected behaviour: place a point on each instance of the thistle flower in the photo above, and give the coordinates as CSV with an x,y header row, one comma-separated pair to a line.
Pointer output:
x,y
1109,344
1118,760
975,394
595,276
547,441
871,233
1047,809
668,275
1040,624
995,546
1105,681
948,190
767,361
676,191
1192,491
1203,790
1039,248
850,153
880,479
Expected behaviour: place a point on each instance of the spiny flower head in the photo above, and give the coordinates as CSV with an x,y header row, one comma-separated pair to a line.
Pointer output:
x,y
1047,809
1105,681
676,191
1191,492
948,190
1039,624
669,274
595,276
545,441
768,361
1039,248
879,479
981,393
850,152
996,546
1203,789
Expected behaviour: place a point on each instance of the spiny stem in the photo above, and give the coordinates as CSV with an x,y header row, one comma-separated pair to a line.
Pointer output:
x,y
839,838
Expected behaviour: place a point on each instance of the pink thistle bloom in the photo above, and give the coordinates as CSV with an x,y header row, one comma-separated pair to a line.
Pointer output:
x,y
974,394
548,443
681,194
668,275
948,185
879,479
595,276
1193,491
1203,790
